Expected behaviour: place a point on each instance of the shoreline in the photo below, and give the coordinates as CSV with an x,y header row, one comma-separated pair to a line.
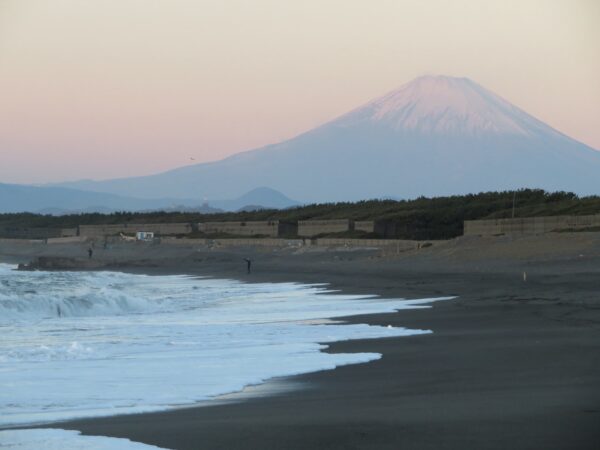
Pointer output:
x,y
276,385
510,364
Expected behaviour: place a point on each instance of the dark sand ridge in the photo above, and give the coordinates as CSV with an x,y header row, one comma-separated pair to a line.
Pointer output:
x,y
511,364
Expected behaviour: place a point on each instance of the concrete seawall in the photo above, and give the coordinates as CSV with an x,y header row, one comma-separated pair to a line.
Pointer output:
x,y
131,228
67,240
529,225
388,244
235,242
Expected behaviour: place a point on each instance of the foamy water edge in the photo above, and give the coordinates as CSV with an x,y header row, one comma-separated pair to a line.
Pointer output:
x,y
336,305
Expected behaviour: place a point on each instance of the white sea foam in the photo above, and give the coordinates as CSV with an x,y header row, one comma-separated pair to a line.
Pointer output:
x,y
77,344
57,439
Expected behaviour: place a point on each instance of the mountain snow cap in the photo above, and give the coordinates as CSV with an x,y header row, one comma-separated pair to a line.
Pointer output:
x,y
446,105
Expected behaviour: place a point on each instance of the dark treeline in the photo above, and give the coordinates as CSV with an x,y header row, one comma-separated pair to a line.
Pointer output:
x,y
421,218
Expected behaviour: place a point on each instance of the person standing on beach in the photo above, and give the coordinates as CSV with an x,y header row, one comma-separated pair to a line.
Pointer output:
x,y
249,263
90,253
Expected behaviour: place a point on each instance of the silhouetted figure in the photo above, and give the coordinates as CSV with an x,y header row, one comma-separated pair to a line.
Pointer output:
x,y
90,253
248,263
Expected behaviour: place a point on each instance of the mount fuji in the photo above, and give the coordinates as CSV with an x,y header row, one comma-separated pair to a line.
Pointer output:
x,y
436,135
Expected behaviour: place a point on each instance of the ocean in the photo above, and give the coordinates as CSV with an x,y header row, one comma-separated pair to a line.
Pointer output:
x,y
91,344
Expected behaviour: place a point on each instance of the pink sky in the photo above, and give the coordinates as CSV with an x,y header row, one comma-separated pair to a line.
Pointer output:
x,y
110,88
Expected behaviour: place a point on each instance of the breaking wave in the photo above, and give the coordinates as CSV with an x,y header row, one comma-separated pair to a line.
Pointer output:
x,y
103,302
37,296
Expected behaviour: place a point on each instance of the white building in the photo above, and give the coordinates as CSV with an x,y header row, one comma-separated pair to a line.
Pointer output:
x,y
144,235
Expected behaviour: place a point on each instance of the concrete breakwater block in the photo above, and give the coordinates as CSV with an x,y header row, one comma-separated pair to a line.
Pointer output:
x,y
59,263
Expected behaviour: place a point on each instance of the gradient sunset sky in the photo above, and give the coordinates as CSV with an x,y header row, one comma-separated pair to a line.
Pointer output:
x,y
111,88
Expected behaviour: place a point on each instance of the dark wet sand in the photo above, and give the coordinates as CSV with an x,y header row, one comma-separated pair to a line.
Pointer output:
x,y
510,365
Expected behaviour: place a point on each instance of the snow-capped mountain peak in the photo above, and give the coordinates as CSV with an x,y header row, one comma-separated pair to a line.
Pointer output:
x,y
447,105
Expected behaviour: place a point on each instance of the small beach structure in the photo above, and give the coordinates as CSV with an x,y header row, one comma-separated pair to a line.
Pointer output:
x,y
144,235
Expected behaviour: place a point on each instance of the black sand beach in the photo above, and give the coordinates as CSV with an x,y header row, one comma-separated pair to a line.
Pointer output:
x,y
511,364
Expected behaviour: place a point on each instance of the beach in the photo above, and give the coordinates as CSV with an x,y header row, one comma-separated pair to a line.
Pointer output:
x,y
513,361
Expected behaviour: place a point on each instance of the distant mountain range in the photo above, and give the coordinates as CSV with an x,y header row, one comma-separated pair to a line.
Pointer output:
x,y
436,135
59,201
258,198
